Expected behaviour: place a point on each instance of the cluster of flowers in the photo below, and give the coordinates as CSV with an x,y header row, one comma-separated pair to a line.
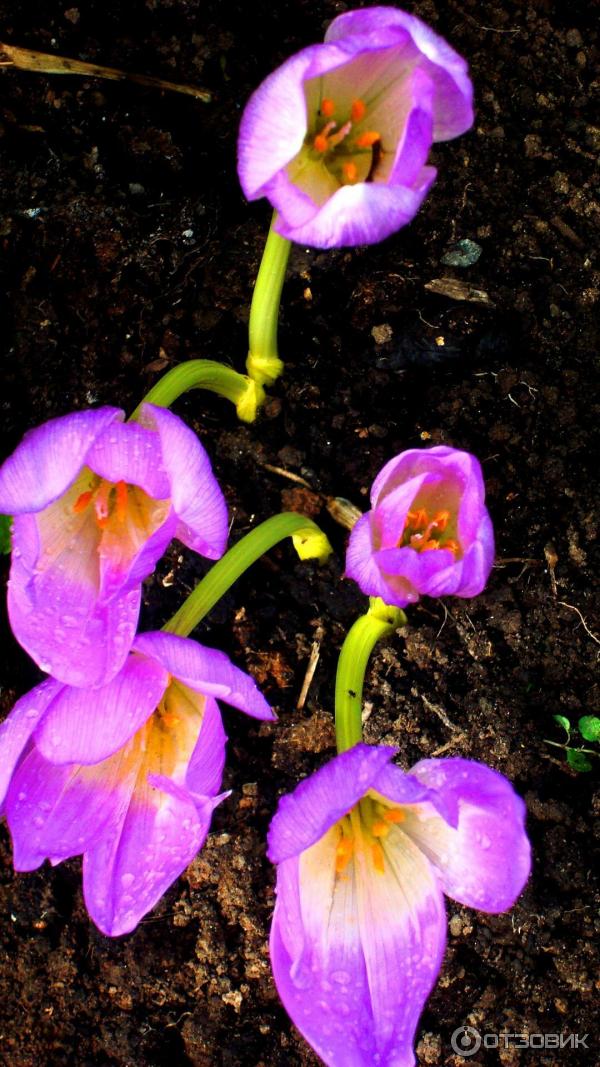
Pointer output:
x,y
118,755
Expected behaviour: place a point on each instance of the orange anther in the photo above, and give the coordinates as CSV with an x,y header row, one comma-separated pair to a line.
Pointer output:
x,y
121,488
380,828
327,107
170,719
378,857
102,521
350,172
368,139
320,143
82,501
343,854
358,110
441,520
428,545
453,546
394,815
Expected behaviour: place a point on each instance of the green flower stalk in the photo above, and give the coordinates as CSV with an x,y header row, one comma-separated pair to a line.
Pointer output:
x,y
309,541
246,393
380,621
263,364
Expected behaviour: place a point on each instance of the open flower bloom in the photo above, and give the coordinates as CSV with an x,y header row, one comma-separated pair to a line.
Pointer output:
x,y
428,531
95,502
337,138
127,774
364,853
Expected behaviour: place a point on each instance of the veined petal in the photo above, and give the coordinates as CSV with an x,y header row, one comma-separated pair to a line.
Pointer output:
x,y
360,214
195,493
207,670
128,870
304,816
205,770
130,453
48,459
355,954
390,514
87,727
478,560
19,725
485,861
129,549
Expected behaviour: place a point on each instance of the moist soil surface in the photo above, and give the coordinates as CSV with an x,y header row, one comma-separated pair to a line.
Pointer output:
x,y
128,247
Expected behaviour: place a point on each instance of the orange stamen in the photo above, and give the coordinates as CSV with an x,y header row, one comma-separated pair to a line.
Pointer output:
x,y
320,143
368,139
121,488
358,110
378,857
170,719
427,547
327,107
350,172
452,545
82,501
380,828
417,519
343,854
441,520
394,815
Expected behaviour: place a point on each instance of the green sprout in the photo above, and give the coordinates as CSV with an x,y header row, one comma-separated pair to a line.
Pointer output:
x,y
589,729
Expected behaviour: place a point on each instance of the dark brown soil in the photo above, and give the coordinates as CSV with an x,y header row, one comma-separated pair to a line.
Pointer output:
x,y
128,247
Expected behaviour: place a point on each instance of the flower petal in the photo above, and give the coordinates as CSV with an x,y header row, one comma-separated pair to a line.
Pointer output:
x,y
485,861
19,725
318,802
195,493
54,812
355,955
57,620
205,769
130,453
360,561
48,458
478,560
87,727
128,870
360,214
206,670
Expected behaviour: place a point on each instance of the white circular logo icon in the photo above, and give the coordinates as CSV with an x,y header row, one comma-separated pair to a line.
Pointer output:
x,y
466,1041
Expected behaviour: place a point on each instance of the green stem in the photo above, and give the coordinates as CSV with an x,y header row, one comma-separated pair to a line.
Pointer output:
x,y
309,542
263,363
381,620
246,394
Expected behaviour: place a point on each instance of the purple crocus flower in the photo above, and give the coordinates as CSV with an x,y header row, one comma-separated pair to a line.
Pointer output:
x,y
95,502
127,774
364,853
337,138
428,531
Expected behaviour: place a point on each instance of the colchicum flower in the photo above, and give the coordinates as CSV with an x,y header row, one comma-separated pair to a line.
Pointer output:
x,y
428,531
127,774
337,138
95,502
364,853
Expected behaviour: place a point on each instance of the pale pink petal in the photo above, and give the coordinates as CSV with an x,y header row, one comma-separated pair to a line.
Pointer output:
x,y
130,453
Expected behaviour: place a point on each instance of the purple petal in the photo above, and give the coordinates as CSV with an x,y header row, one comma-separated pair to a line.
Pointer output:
x,y
478,561
54,812
84,726
57,620
128,870
195,493
48,459
206,670
486,860
318,802
359,214
453,96
129,556
205,770
130,453
360,561
19,725
389,516
355,955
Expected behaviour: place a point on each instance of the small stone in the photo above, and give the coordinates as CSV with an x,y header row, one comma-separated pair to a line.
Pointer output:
x,y
463,253
574,38
72,15
455,926
136,189
382,334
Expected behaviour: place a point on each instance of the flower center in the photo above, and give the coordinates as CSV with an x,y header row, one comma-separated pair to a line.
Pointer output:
x,y
363,829
109,500
425,534
348,155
